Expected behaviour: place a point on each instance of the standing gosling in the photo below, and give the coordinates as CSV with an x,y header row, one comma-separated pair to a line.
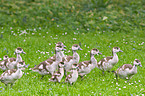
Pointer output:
x,y
10,76
60,52
107,63
86,66
49,66
72,77
59,74
70,60
127,71
2,63
11,63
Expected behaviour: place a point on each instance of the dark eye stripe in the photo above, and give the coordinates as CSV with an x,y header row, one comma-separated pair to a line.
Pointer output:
x,y
137,61
19,48
116,48
75,45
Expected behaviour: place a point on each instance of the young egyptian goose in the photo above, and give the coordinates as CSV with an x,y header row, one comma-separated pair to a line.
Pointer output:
x,y
59,74
3,67
86,66
72,77
2,63
10,76
11,63
69,60
61,52
5,57
107,63
49,66
127,71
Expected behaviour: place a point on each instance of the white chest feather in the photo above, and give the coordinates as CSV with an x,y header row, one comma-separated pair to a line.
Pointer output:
x,y
114,60
74,76
62,74
76,57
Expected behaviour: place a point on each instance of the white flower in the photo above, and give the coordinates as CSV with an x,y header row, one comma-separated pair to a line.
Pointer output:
x,y
124,87
74,39
105,18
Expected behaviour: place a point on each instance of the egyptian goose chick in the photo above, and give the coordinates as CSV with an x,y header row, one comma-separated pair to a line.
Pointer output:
x,y
86,66
41,68
10,76
69,60
11,63
3,67
127,71
5,57
72,77
49,66
107,63
60,52
2,63
59,74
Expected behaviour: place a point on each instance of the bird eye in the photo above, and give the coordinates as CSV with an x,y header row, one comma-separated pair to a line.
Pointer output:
x,y
137,61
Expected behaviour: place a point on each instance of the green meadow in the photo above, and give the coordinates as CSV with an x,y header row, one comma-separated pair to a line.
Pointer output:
x,y
36,25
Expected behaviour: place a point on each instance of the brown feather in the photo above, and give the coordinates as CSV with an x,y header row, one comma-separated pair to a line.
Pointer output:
x,y
11,71
69,58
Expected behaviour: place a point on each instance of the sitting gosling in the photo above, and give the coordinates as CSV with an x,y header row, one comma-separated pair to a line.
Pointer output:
x,y
127,71
10,76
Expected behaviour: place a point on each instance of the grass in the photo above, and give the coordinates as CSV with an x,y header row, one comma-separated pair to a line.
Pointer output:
x,y
103,26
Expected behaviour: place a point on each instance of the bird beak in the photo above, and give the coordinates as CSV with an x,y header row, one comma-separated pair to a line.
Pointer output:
x,y
100,53
26,66
120,51
140,65
64,49
80,49
24,52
